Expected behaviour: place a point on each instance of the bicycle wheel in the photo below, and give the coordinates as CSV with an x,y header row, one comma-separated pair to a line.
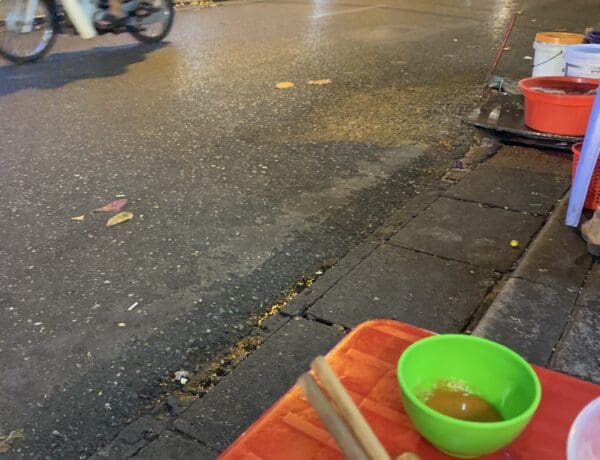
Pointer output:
x,y
21,42
156,26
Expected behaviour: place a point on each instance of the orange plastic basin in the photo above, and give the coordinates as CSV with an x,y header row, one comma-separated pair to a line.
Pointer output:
x,y
562,114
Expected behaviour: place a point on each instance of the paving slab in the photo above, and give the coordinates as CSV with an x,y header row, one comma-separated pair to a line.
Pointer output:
x,y
590,294
171,446
558,256
533,160
408,286
528,317
223,414
515,189
404,215
469,232
579,352
299,304
132,438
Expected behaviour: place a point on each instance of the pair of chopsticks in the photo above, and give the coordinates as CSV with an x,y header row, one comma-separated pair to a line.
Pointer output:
x,y
341,417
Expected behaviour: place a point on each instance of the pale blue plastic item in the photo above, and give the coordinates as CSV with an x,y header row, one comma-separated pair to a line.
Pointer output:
x,y
583,61
585,166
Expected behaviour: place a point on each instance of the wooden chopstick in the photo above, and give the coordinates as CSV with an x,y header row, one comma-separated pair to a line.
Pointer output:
x,y
348,411
332,421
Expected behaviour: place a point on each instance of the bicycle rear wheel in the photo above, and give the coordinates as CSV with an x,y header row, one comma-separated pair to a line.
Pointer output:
x,y
156,27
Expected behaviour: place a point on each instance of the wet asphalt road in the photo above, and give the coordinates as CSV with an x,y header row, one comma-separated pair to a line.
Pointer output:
x,y
238,189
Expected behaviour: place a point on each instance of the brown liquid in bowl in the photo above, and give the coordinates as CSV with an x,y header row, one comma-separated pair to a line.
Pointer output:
x,y
462,405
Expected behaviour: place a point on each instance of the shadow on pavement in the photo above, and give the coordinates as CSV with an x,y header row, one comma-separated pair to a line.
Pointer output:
x,y
57,70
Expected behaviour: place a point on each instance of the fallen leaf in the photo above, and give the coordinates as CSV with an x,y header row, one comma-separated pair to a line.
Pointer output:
x,y
78,218
284,85
324,81
113,206
6,441
119,218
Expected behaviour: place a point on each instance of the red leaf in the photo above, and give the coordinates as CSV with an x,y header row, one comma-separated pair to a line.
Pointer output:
x,y
114,206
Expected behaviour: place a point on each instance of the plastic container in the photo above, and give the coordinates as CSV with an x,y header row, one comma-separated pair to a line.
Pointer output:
x,y
593,36
562,114
583,61
490,371
549,55
584,437
592,199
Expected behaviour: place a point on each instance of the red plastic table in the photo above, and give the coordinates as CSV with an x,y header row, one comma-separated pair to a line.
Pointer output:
x,y
365,361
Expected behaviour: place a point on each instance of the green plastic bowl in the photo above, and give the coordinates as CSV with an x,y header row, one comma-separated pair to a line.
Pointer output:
x,y
489,370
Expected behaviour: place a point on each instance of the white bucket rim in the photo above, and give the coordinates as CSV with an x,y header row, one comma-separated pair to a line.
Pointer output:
x,y
544,45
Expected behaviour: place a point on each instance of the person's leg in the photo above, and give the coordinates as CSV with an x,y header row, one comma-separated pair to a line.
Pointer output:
x,y
112,16
115,8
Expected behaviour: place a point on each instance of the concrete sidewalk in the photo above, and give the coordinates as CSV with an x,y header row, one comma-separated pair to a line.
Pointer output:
x,y
443,263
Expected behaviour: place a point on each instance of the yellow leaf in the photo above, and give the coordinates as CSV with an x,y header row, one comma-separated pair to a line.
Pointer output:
x,y
284,85
325,81
78,218
119,218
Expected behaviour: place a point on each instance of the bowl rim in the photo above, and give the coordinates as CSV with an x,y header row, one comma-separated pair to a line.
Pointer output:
x,y
591,406
409,393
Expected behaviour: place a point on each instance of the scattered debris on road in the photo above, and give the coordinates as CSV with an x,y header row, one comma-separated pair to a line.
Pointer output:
x,y
324,81
6,441
207,377
119,218
113,206
514,244
121,324
78,218
284,85
133,306
182,377
202,4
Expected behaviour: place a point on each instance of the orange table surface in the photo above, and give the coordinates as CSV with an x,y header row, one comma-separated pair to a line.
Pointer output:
x,y
365,360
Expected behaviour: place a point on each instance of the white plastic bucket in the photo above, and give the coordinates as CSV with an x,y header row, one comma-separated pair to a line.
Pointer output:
x,y
548,59
583,61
